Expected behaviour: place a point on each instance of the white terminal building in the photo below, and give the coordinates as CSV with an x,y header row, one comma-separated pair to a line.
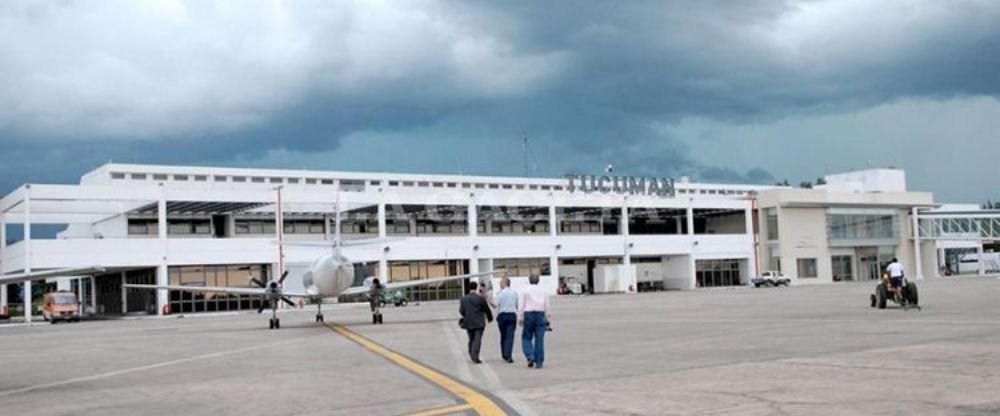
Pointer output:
x,y
205,226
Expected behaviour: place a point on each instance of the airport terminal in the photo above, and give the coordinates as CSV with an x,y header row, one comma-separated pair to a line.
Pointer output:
x,y
605,233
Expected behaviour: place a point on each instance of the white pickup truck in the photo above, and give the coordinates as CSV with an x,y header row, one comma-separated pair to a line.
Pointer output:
x,y
771,278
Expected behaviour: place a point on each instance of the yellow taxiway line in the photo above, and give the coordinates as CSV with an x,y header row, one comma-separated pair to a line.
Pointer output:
x,y
476,401
441,411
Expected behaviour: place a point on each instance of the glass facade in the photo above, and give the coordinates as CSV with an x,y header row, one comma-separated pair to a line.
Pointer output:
x,y
401,271
842,268
715,273
862,225
772,224
221,276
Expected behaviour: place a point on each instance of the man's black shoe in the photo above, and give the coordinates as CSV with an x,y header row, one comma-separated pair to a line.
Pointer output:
x,y
531,363
477,361
509,360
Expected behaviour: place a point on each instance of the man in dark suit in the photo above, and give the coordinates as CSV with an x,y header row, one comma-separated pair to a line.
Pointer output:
x,y
475,315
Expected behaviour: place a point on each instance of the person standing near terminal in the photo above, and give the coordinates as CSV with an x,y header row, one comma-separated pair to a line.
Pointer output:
x,y
506,302
475,314
533,309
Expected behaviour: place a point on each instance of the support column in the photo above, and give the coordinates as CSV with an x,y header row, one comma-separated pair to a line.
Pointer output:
x,y
326,227
942,262
979,253
752,269
553,222
124,295
3,249
554,267
26,295
553,235
692,282
917,260
627,249
162,296
383,260
472,222
93,295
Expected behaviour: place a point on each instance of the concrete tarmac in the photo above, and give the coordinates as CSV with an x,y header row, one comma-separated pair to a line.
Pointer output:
x,y
807,350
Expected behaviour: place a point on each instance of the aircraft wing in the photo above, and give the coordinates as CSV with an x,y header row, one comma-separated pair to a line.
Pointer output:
x,y
253,291
8,279
411,283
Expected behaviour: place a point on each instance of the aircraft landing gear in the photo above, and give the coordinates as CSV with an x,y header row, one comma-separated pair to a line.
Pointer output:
x,y
376,309
275,323
319,311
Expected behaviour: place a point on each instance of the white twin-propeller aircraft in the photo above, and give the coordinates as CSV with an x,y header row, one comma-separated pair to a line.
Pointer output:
x,y
330,275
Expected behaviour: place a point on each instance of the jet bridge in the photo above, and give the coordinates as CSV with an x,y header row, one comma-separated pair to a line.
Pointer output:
x,y
958,239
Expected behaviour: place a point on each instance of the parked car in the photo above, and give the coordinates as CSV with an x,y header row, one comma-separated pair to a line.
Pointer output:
x,y
771,278
60,306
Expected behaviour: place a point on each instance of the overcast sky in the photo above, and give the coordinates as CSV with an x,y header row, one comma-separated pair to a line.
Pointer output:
x,y
731,91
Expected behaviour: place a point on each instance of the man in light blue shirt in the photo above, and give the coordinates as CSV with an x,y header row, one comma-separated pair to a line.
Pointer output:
x,y
506,304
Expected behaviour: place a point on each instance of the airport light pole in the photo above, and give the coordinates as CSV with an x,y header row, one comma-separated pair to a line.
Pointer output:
x,y
26,293
279,227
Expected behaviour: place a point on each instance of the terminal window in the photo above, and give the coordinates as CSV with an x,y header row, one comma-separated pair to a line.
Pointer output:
x,y
522,267
807,268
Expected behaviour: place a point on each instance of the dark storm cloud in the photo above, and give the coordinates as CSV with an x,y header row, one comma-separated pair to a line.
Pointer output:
x,y
590,83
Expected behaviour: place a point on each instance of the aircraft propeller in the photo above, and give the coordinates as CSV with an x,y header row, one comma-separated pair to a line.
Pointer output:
x,y
273,292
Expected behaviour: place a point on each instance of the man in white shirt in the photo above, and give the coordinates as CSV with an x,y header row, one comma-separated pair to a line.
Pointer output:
x,y
533,309
895,271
